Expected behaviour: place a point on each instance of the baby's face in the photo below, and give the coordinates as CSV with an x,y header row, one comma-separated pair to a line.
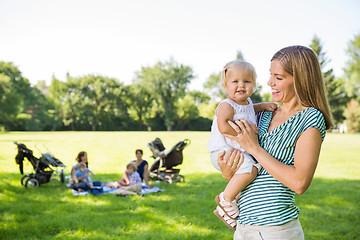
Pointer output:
x,y
239,85
130,170
82,169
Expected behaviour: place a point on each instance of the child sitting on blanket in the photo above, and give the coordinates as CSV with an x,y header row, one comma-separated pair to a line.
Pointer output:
x,y
130,183
82,178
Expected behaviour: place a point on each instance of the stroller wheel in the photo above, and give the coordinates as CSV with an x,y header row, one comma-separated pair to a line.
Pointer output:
x,y
180,178
24,179
168,179
32,182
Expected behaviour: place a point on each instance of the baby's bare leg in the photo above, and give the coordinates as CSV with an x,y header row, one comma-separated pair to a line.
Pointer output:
x,y
237,183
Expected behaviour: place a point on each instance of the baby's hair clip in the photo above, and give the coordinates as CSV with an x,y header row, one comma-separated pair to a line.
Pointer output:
x,y
225,68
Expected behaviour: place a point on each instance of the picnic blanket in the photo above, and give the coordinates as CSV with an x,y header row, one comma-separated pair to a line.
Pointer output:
x,y
109,190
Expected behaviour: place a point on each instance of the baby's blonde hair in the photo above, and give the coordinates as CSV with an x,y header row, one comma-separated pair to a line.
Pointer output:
x,y
240,64
81,164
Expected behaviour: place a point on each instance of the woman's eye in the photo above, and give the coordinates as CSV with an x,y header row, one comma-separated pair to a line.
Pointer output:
x,y
278,78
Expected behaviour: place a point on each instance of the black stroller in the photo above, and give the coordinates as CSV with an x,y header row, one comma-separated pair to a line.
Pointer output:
x,y
42,167
167,160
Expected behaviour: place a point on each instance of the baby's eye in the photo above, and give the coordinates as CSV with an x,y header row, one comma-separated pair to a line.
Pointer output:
x,y
247,81
235,81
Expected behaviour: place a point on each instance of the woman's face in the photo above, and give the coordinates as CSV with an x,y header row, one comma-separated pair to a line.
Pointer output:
x,y
138,155
281,83
84,158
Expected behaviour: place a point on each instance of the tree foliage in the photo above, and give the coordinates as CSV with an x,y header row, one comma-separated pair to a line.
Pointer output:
x,y
336,94
352,69
158,99
167,81
352,114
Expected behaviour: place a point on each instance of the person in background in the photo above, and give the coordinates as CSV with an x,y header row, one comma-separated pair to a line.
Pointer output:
x,y
82,178
142,166
81,157
130,183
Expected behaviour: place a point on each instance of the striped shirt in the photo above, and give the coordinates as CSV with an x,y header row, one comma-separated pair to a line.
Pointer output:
x,y
266,201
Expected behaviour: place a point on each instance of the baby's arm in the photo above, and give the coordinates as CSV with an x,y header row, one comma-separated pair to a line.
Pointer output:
x,y
269,106
126,178
225,113
91,172
76,180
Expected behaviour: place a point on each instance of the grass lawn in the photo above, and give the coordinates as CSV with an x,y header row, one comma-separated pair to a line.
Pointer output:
x,y
330,208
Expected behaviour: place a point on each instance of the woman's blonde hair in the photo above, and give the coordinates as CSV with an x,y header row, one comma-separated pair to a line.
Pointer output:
x,y
241,64
302,63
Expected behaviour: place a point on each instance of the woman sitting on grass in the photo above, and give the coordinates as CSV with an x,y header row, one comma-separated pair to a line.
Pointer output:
x,y
81,158
82,178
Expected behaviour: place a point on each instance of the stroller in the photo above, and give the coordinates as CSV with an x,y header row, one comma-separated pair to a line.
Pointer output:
x,y
167,160
42,167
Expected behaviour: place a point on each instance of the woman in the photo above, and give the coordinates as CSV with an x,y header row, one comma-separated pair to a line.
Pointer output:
x,y
288,147
142,166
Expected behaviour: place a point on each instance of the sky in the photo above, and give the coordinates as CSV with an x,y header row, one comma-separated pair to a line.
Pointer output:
x,y
115,38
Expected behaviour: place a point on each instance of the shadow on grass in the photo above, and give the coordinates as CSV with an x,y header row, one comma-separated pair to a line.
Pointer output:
x,y
329,210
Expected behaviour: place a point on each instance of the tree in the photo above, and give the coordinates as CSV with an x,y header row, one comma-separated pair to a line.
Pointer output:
x,y
25,104
9,102
167,81
213,84
352,114
335,87
188,112
352,69
199,97
140,100
55,95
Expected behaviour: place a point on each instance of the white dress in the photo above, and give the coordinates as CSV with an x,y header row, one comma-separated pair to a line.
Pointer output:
x,y
217,142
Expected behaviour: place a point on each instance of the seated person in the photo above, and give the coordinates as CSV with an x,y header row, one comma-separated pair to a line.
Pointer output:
x,y
82,178
142,166
130,183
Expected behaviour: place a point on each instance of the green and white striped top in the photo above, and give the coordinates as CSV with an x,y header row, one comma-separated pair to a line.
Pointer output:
x,y
266,201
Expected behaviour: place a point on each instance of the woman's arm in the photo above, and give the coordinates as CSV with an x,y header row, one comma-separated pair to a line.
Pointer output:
x,y
146,175
73,174
307,150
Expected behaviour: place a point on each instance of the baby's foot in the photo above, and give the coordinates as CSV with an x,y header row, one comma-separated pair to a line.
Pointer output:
x,y
231,209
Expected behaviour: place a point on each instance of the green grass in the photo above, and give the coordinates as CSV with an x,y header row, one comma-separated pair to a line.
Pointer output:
x,y
329,209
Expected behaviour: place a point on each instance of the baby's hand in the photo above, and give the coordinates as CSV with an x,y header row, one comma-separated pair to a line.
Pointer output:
x,y
270,106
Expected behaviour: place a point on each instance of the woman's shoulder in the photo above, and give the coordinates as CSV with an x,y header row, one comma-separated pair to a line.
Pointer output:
x,y
312,114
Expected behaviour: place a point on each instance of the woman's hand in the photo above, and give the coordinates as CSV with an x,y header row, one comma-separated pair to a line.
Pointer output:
x,y
230,162
247,136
